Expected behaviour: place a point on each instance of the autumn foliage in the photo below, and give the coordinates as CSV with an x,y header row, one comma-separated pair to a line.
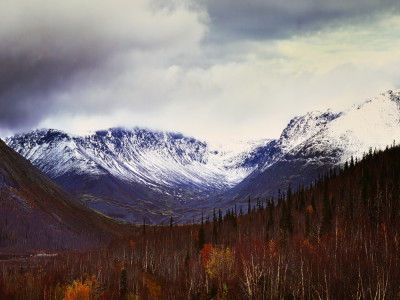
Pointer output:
x,y
338,238
206,253
77,291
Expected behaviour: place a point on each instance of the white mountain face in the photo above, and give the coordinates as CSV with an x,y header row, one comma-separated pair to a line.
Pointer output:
x,y
298,131
317,141
148,157
189,175
373,124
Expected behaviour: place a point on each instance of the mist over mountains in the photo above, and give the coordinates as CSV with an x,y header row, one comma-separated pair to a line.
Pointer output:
x,y
131,174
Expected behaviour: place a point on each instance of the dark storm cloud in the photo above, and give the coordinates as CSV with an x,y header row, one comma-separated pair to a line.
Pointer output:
x,y
266,19
41,50
28,78
51,48
89,64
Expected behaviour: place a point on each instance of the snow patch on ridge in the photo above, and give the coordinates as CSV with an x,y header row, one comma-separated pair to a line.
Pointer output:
x,y
373,124
153,158
163,159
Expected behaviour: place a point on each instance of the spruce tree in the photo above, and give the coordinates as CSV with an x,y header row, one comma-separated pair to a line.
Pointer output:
x,y
286,219
270,223
215,231
123,284
201,240
326,208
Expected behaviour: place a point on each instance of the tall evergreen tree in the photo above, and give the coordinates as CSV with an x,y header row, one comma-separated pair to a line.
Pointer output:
x,y
326,208
286,219
201,241
219,216
215,230
289,197
123,284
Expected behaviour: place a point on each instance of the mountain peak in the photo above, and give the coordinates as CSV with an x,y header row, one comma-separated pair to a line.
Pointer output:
x,y
374,123
393,95
301,128
46,134
136,155
155,164
183,169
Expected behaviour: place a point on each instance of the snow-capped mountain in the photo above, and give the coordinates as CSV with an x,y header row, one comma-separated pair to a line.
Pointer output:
x,y
129,174
313,143
149,157
114,170
302,128
299,130
374,124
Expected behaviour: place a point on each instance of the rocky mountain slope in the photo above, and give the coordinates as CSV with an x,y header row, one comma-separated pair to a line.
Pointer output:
x,y
139,173
319,141
36,213
131,174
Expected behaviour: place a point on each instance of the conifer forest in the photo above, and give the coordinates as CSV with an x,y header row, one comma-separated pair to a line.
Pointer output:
x,y
199,150
337,238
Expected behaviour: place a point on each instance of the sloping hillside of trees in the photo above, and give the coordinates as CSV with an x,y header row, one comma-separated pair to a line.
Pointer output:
x,y
338,238
36,213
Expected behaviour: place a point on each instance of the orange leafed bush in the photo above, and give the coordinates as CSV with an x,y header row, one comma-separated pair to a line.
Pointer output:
x,y
81,290
307,245
273,248
206,253
220,263
153,286
77,291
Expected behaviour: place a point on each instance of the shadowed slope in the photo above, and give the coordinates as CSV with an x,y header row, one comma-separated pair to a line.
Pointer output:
x,y
36,213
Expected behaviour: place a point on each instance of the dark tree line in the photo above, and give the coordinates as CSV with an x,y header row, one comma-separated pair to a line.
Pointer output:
x,y
337,238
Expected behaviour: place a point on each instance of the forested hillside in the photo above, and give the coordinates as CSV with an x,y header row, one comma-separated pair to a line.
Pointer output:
x,y
37,214
335,239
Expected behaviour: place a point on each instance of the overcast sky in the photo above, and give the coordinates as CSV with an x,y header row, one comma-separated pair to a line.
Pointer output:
x,y
212,69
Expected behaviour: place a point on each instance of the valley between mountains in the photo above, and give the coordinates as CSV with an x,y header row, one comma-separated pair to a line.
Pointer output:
x,y
138,175
311,215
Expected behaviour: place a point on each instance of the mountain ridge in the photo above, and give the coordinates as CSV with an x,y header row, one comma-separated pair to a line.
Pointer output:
x,y
178,175
115,168
36,213
375,123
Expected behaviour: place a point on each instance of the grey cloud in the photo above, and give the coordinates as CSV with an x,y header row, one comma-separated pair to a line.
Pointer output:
x,y
260,19
38,57
28,78
48,48
61,60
